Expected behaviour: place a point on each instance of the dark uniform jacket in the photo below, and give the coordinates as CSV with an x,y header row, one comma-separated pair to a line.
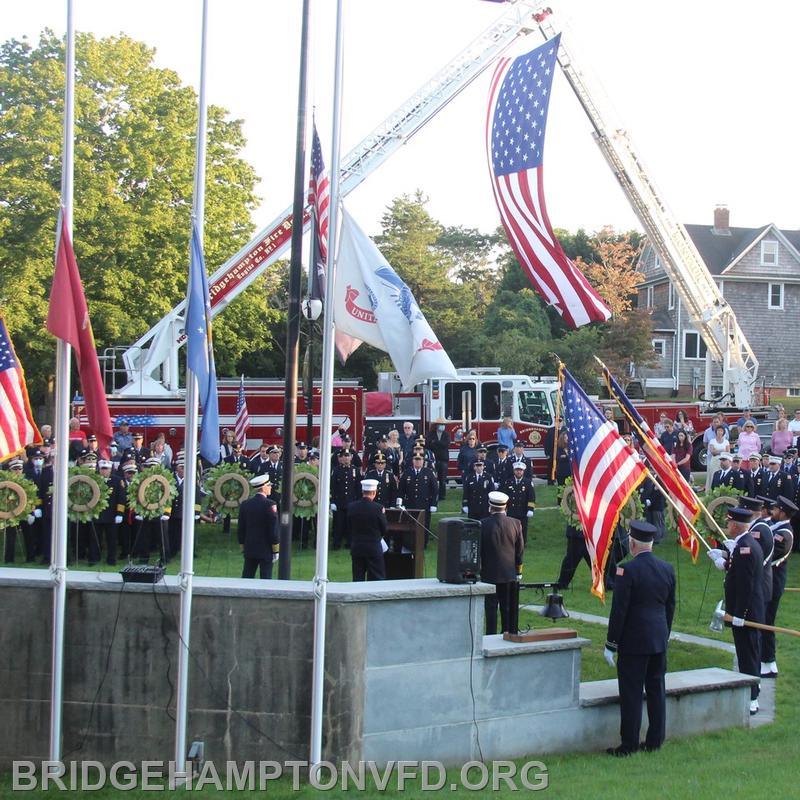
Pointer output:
x,y
476,496
501,548
117,500
258,527
762,533
387,486
259,466
439,445
783,539
419,489
649,491
759,479
502,471
744,580
366,522
643,606
525,460
779,483
43,481
732,478
345,486
521,497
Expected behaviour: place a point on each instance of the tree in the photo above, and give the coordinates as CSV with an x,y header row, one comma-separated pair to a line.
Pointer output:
x,y
135,130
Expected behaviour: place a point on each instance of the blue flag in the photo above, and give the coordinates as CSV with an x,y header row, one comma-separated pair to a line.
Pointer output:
x,y
200,350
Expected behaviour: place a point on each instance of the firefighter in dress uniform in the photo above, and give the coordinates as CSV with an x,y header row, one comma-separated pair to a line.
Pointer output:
x,y
638,633
258,530
367,527
386,491
419,489
107,524
345,488
475,500
521,497
502,471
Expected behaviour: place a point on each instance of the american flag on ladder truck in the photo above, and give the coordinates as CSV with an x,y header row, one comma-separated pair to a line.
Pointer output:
x,y
17,427
242,418
605,473
319,199
664,466
515,125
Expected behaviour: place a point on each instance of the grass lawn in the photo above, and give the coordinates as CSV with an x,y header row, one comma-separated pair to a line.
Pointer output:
x,y
739,763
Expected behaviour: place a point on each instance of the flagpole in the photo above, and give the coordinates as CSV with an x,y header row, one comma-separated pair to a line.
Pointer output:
x,y
328,352
58,557
293,312
190,443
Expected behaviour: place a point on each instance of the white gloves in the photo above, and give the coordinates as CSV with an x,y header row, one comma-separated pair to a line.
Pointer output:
x,y
730,544
139,518
433,509
609,656
118,519
333,506
647,503
165,517
718,557
275,557
530,513
196,517
464,510
37,512
737,622
31,519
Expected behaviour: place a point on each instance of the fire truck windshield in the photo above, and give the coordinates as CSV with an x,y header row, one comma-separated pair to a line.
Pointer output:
x,y
533,407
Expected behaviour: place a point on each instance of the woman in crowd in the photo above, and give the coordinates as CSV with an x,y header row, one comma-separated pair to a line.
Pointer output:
x,y
682,453
716,447
781,437
683,423
394,442
749,442
506,434
468,454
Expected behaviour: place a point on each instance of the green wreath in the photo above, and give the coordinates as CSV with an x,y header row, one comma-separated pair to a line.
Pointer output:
x,y
87,494
305,491
17,500
633,509
717,501
150,493
226,487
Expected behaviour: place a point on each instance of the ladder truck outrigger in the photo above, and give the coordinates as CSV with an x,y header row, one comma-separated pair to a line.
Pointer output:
x,y
156,353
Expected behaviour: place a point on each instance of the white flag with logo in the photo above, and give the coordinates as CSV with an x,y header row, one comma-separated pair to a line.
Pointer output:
x,y
373,304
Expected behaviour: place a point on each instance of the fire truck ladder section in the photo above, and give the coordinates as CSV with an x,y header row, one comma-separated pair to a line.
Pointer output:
x,y
708,310
159,346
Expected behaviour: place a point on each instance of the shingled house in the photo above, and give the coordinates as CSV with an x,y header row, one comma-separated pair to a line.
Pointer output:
x,y
758,271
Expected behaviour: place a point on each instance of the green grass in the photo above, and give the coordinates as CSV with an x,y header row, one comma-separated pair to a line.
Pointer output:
x,y
737,763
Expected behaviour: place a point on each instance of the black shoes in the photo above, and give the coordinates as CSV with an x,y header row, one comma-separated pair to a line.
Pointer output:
x,y
620,752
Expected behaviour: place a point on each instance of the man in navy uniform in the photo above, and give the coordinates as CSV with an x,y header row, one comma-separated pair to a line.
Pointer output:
x,y
502,467
386,493
419,488
259,464
638,632
517,455
743,563
726,475
258,530
778,482
475,500
367,525
502,550
344,489
521,497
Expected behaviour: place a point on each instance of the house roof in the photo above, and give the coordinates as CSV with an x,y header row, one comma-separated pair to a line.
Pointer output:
x,y
718,250
661,320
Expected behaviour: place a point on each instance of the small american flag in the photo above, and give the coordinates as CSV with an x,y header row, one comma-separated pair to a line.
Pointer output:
x,y
17,427
242,417
663,465
605,472
319,198
137,420
515,125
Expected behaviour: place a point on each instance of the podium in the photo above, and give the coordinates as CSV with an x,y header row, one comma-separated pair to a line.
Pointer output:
x,y
405,557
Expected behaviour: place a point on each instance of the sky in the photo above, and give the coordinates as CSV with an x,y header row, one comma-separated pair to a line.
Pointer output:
x,y
706,90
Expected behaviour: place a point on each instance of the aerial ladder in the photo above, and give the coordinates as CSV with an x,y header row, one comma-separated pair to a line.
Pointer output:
x,y
709,312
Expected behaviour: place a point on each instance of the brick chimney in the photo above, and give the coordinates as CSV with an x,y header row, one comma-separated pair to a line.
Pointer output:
x,y
722,219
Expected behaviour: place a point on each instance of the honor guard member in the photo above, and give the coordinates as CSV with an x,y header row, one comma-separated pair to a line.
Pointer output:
x,y
761,531
726,475
502,551
783,539
502,467
37,469
654,505
300,452
427,455
14,466
743,563
789,463
345,487
419,488
438,442
755,480
126,533
517,455
175,524
741,476
475,500
778,482
258,530
638,632
111,516
488,466
259,464
355,458
386,491
139,453
521,497
366,522
275,471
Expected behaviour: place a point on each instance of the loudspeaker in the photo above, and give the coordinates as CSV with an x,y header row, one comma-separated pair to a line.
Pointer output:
x,y
459,556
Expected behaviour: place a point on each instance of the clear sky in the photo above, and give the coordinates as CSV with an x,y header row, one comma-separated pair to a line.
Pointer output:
x,y
707,90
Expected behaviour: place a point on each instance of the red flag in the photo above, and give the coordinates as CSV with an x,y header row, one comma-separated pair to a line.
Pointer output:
x,y
68,319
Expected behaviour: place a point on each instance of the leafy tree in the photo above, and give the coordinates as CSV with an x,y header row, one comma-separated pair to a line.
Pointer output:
x,y
135,128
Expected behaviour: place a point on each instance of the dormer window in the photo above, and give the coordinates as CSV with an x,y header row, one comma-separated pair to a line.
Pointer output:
x,y
769,253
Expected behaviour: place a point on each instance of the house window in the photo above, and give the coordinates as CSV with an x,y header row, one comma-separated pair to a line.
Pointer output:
x,y
769,253
776,295
670,296
793,391
693,345
649,300
660,347
657,263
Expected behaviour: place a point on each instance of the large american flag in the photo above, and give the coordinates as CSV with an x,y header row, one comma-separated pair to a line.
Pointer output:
x,y
319,199
17,427
605,472
242,418
515,125
660,462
